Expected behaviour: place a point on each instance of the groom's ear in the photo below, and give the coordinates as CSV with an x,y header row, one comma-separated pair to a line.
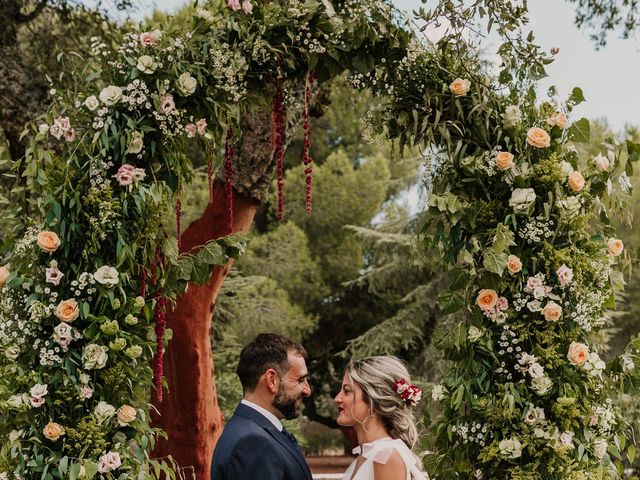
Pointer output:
x,y
272,379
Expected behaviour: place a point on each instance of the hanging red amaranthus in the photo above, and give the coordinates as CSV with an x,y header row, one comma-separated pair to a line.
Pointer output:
x,y
279,146
306,157
179,218
143,282
228,173
161,323
210,174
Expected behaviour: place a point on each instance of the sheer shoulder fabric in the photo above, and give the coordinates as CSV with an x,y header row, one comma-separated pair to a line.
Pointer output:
x,y
380,451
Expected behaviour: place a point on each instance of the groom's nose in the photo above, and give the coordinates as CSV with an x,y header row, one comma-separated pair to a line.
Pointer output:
x,y
306,389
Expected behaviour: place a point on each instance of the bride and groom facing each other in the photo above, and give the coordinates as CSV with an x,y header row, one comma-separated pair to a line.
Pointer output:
x,y
376,399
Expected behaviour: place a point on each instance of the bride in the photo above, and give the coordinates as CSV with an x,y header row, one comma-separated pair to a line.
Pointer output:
x,y
377,400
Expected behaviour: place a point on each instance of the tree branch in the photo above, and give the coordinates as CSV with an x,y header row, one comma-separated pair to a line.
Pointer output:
x,y
30,16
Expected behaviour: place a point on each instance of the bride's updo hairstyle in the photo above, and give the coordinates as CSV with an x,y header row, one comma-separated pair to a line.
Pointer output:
x,y
376,376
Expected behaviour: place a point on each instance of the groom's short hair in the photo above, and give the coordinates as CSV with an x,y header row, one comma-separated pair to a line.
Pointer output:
x,y
267,350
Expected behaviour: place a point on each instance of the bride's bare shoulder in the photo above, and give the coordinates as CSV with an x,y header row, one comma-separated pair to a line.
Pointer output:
x,y
393,469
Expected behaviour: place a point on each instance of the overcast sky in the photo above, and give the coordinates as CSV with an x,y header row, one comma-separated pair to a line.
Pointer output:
x,y
609,78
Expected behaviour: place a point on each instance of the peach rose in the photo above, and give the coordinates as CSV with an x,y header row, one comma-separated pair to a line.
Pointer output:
x,y
558,119
514,264
537,137
504,160
126,414
67,310
4,275
53,431
615,246
48,241
576,181
487,299
552,312
578,353
460,86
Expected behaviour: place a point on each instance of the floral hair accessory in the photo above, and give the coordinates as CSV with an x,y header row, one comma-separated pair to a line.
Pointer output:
x,y
411,394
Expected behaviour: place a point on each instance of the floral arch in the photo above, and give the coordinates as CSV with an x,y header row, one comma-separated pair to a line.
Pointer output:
x,y
89,285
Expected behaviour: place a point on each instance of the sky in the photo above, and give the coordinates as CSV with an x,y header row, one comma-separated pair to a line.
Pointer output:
x,y
609,77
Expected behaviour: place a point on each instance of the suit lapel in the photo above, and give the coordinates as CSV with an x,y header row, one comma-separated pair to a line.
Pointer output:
x,y
255,416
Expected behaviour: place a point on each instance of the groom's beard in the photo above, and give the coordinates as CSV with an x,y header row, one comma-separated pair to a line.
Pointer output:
x,y
286,405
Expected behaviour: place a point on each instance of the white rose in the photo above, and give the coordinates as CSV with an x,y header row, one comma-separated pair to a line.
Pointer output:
x,y
512,116
626,361
146,64
541,385
186,84
16,402
566,168
136,142
94,356
106,275
539,292
474,334
510,448
438,393
522,200
84,378
12,352
91,103
536,370
15,435
600,448
602,163
39,390
104,411
566,438
43,128
108,462
534,415
110,95
534,306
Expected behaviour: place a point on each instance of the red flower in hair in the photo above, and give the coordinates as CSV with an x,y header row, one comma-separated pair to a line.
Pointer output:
x,y
411,394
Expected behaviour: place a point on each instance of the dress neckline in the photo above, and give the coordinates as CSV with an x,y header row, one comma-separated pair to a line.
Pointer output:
x,y
366,447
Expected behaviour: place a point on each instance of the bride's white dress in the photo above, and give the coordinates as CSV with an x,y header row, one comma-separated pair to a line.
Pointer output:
x,y
380,451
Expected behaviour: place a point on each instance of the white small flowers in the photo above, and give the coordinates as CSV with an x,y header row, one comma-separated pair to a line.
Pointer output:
x,y
186,84
110,95
106,275
510,448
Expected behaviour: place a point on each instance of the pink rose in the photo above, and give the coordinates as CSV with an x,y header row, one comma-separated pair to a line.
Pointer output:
x,y
247,7
532,284
565,275
202,126
36,402
70,135
167,105
191,130
109,462
53,275
63,123
147,39
234,5
124,175
86,391
503,304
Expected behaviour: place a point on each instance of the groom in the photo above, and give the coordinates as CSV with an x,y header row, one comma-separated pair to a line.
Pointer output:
x,y
254,445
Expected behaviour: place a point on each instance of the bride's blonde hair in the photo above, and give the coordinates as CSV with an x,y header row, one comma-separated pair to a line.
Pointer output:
x,y
376,377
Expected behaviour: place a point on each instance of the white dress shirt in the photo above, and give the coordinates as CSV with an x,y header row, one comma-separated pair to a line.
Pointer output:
x,y
265,413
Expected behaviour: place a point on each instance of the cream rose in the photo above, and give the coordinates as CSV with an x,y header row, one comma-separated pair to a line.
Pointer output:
x,y
552,312
4,275
541,385
538,138
512,116
136,142
504,160
94,356
576,181
104,411
106,275
522,199
487,299
514,264
146,64
126,415
186,84
110,95
460,86
600,448
67,310
48,241
578,353
510,448
615,247
91,103
558,119
602,163
53,431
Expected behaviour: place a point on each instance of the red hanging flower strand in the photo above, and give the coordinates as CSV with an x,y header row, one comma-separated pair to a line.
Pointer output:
x,y
306,157
143,282
210,174
274,134
179,218
161,324
228,173
279,150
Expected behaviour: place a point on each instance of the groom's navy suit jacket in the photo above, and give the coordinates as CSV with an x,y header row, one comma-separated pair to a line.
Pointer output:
x,y
252,448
